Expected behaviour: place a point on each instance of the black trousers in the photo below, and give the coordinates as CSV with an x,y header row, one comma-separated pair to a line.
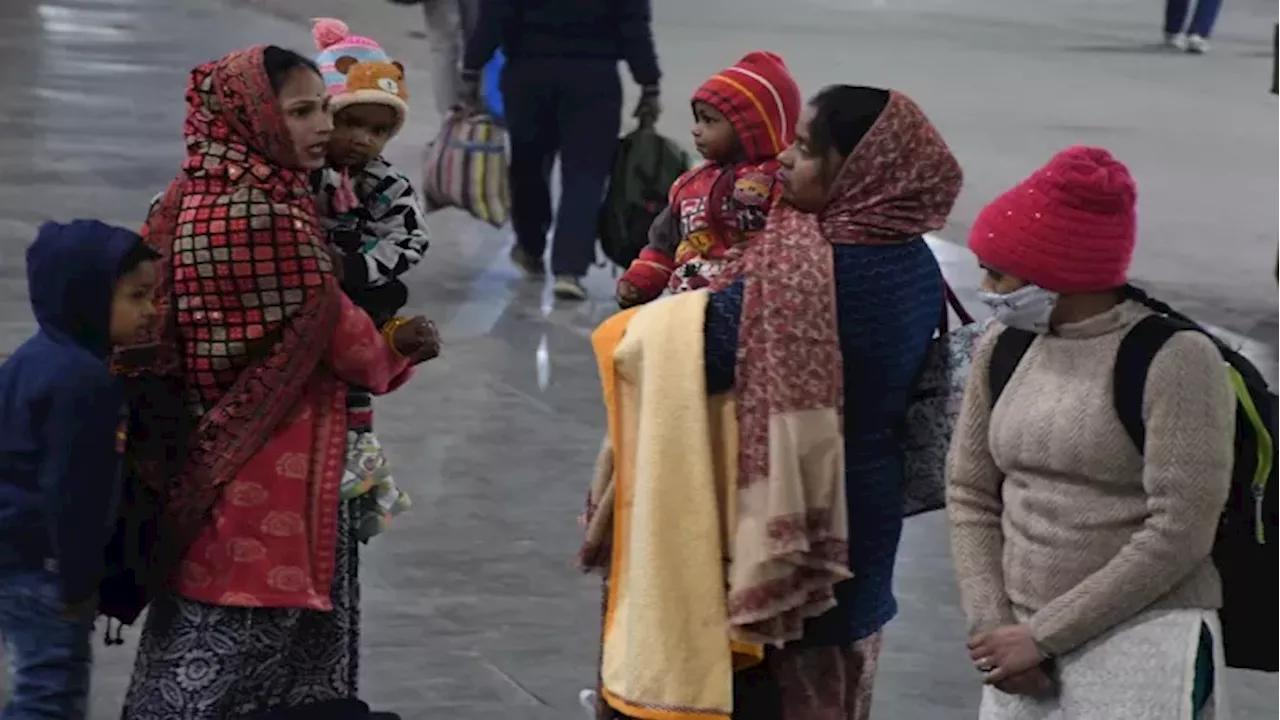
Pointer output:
x,y
569,107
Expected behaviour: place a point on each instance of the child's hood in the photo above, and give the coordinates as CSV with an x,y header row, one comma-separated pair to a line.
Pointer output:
x,y
71,276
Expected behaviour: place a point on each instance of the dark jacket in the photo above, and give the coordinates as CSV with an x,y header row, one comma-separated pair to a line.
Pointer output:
x,y
888,302
62,414
589,29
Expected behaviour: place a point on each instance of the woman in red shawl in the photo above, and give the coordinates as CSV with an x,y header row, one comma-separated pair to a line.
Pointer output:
x,y
260,610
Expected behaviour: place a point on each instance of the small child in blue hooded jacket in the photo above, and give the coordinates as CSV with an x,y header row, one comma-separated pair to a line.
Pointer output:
x,y
62,436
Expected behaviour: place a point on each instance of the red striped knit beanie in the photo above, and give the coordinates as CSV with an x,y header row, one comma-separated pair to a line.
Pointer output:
x,y
760,99
1070,227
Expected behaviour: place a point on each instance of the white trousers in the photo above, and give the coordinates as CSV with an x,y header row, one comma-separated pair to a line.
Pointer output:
x,y
1142,670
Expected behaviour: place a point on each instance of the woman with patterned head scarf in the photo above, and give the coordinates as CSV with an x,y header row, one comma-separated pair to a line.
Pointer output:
x,y
819,327
259,604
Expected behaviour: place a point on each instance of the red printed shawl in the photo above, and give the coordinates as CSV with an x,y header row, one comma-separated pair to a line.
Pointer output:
x,y
248,302
898,183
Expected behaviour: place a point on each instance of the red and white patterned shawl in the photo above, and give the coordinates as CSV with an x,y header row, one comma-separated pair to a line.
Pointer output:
x,y
247,300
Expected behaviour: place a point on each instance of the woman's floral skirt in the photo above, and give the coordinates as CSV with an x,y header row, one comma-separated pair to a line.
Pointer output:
x,y
206,662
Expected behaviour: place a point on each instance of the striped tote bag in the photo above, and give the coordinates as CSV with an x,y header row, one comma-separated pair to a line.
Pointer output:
x,y
466,167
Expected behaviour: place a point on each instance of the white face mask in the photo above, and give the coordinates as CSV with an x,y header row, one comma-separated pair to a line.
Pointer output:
x,y
1027,308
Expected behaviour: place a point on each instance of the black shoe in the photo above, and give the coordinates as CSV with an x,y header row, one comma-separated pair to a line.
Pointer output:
x,y
531,266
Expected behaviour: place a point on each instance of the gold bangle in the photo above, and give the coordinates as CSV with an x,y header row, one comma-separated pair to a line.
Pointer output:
x,y
389,334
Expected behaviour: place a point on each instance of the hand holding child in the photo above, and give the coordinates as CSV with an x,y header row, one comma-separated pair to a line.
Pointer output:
x,y
417,339
628,295
645,279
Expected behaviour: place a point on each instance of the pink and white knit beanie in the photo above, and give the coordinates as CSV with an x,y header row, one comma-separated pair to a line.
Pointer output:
x,y
340,53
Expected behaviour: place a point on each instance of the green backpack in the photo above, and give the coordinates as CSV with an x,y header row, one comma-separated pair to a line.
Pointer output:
x,y
645,166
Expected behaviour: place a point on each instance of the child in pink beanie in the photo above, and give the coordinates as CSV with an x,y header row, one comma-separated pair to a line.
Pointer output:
x,y
376,225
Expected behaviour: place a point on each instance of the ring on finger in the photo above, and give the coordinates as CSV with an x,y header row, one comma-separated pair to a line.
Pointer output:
x,y
986,665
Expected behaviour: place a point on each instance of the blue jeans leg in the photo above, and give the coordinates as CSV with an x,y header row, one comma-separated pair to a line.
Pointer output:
x,y
49,656
1205,17
1175,16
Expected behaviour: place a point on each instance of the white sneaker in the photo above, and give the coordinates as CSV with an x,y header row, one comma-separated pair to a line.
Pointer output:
x,y
1177,41
1197,45
587,699
568,287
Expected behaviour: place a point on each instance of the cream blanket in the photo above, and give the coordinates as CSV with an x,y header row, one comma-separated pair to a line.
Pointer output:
x,y
667,652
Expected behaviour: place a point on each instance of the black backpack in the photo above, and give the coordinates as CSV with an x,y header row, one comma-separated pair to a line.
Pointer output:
x,y
1245,550
136,561
644,168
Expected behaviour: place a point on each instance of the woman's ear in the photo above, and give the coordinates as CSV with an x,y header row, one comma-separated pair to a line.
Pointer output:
x,y
832,164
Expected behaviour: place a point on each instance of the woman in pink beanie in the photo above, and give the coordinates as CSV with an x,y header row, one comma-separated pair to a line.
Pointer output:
x,y
1084,560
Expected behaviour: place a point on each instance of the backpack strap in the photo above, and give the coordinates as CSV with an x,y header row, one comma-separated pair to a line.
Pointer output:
x,y
1133,361
1005,356
951,303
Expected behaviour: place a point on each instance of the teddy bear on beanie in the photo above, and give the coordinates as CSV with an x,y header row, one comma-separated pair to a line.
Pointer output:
x,y
357,70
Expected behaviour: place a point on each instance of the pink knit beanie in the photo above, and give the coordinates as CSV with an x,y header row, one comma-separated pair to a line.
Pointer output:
x,y
1070,227
357,70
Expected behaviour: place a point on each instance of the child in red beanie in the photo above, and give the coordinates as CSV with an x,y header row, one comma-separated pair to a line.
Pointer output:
x,y
743,117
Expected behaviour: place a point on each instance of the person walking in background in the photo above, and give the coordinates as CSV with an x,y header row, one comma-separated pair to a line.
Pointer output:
x,y
1083,559
449,24
562,96
1194,38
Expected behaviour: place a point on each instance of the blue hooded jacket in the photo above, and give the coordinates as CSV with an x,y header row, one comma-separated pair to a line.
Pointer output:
x,y
62,414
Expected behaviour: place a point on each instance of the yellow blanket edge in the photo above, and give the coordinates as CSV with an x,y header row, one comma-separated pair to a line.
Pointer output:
x,y
605,341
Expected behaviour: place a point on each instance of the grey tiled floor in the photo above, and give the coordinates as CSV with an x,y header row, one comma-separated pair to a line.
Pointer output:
x,y
472,606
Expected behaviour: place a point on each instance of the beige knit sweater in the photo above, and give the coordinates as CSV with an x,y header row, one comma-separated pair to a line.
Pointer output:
x,y
1053,510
